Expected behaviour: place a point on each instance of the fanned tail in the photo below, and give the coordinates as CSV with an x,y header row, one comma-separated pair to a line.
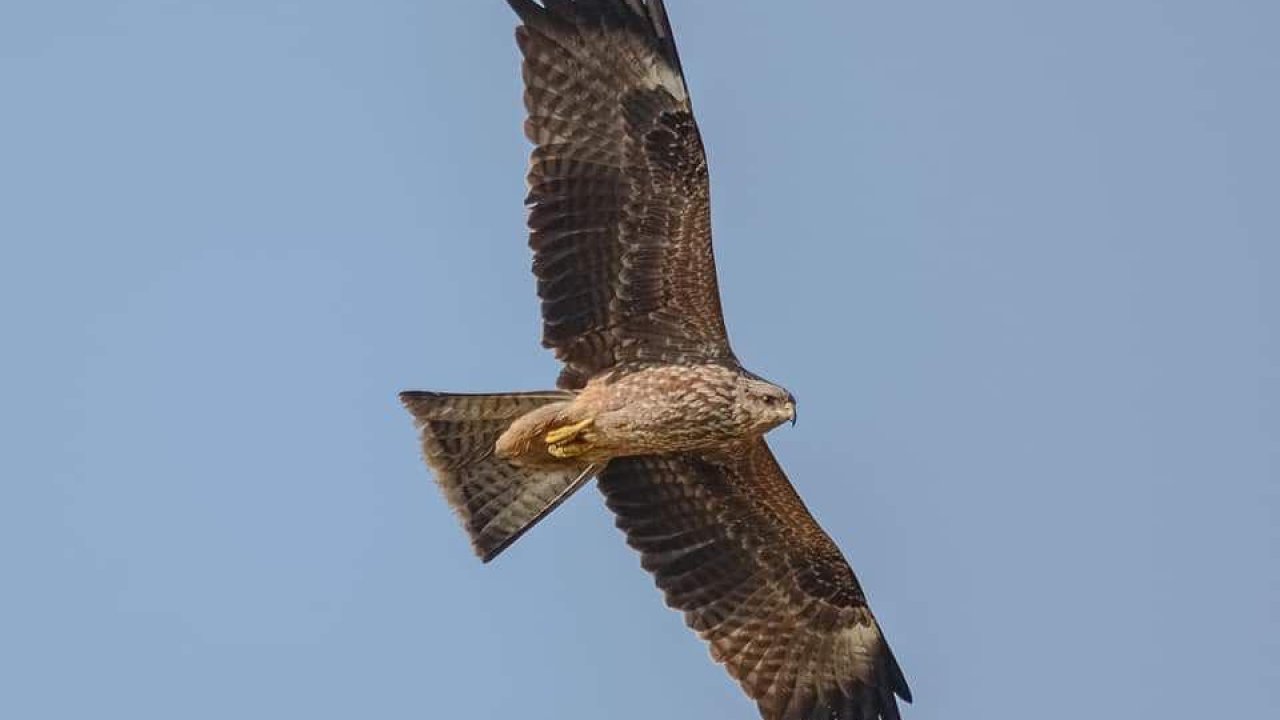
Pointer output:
x,y
496,500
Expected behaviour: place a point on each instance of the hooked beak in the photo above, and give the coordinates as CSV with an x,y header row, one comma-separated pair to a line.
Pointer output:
x,y
791,402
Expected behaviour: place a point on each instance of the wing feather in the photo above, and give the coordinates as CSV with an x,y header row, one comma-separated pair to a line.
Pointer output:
x,y
619,197
731,545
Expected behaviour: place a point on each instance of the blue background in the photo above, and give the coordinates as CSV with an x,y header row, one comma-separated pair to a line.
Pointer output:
x,y
1018,261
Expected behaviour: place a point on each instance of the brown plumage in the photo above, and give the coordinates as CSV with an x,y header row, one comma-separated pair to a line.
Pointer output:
x,y
652,399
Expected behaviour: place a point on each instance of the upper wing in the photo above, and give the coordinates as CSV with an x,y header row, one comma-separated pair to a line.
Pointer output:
x,y
619,201
732,545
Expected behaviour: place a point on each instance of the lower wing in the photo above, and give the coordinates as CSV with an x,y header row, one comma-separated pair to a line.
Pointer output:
x,y
731,545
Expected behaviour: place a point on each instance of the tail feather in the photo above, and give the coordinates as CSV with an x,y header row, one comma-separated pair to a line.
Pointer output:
x,y
496,500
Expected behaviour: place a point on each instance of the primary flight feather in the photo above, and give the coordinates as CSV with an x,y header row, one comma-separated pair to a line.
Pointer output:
x,y
651,399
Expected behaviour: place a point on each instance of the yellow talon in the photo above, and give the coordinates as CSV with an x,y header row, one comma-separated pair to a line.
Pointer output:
x,y
567,451
568,441
561,434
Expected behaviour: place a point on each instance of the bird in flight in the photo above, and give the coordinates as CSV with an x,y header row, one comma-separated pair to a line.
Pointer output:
x,y
651,399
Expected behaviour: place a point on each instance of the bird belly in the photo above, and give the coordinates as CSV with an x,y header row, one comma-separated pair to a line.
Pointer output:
x,y
666,410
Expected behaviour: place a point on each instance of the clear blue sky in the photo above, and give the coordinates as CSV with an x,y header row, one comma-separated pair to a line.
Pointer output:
x,y
1018,261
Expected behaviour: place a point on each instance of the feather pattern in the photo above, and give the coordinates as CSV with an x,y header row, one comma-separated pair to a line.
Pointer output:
x,y
620,228
731,544
619,198
496,501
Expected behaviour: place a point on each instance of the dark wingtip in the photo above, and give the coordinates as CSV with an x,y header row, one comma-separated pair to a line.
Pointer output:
x,y
898,681
647,16
532,14
526,9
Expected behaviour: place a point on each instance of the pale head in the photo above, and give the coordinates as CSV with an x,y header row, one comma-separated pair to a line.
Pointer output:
x,y
767,405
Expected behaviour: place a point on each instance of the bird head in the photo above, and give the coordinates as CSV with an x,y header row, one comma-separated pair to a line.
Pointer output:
x,y
770,405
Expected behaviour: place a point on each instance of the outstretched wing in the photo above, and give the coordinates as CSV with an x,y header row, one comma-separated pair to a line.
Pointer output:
x,y
732,545
619,200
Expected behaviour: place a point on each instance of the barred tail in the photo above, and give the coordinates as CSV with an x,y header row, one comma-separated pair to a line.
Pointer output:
x,y
497,501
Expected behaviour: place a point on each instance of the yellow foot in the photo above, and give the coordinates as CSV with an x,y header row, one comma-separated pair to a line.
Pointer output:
x,y
570,440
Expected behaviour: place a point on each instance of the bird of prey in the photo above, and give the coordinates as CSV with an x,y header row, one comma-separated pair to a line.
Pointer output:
x,y
651,399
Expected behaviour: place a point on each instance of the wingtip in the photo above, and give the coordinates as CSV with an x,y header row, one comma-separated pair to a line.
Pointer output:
x,y
898,681
528,10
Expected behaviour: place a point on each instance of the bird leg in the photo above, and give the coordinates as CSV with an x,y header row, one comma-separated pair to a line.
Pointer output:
x,y
569,441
